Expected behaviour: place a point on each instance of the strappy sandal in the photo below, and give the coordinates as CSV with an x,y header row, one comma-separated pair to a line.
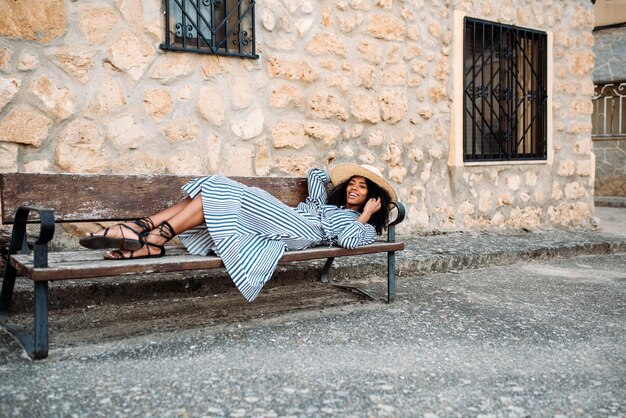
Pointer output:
x,y
165,231
99,242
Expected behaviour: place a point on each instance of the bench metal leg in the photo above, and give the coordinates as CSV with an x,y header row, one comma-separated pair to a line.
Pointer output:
x,y
326,269
391,276
35,344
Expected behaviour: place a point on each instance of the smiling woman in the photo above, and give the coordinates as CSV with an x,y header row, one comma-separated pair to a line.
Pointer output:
x,y
250,229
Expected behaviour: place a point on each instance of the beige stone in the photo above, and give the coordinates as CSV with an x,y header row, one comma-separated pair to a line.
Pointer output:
x,y
531,178
33,21
393,155
347,23
443,69
339,81
130,54
566,168
376,137
583,17
292,70
170,68
28,61
485,202
96,23
296,166
181,129
289,134
393,76
584,168
81,148
131,10
574,190
282,96
8,157
75,62
109,98
326,43
528,218
139,162
59,102
367,157
241,92
416,154
397,174
583,147
364,75
365,109
557,192
581,62
386,27
513,181
581,107
262,160
8,89
248,125
575,127
568,215
325,132
326,106
5,60
186,162
211,105
393,105
37,166
437,94
371,51
125,133
158,103
238,159
212,66
24,125
213,147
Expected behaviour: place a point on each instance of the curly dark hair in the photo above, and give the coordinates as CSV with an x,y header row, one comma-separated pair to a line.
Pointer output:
x,y
378,220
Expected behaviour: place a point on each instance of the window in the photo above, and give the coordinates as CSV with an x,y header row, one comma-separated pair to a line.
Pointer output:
x,y
505,85
221,27
609,111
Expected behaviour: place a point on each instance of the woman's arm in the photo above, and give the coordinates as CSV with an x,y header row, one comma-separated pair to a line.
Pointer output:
x,y
356,234
317,179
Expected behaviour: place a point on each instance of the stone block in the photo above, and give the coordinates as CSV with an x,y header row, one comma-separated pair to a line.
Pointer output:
x,y
130,54
158,103
81,148
8,89
96,23
25,125
211,104
33,20
386,26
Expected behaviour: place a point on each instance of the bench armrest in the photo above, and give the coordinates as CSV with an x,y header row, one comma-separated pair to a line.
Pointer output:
x,y
46,232
391,228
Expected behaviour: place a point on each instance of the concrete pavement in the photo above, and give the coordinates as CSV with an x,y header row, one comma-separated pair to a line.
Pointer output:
x,y
537,327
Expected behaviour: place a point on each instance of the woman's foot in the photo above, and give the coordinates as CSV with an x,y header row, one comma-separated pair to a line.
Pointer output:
x,y
126,236
152,245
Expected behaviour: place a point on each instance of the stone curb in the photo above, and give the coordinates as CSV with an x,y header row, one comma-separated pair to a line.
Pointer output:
x,y
422,255
610,201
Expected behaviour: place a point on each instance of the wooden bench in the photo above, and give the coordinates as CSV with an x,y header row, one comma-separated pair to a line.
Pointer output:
x,y
48,199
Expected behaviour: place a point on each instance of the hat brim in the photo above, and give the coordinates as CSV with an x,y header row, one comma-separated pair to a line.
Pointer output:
x,y
345,171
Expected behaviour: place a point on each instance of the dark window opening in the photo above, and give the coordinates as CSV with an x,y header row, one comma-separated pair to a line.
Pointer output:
x,y
220,27
505,93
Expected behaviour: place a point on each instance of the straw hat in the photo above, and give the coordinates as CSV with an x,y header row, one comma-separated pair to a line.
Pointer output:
x,y
342,172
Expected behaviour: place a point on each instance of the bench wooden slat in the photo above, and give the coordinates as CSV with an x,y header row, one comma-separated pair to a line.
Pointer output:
x,y
97,197
90,264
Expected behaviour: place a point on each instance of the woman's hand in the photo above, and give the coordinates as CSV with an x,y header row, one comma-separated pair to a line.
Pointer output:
x,y
371,207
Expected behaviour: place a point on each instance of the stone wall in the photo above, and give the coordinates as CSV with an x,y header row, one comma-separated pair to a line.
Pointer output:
x,y
610,50
85,88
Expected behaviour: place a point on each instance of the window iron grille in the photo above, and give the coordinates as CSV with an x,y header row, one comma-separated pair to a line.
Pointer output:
x,y
505,92
609,110
219,27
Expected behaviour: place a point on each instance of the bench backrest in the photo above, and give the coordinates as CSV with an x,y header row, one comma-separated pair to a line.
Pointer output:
x,y
91,197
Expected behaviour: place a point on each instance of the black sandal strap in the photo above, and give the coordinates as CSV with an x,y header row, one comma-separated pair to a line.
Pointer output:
x,y
145,224
167,231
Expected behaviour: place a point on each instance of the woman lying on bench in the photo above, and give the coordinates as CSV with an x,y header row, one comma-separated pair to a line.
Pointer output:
x,y
249,229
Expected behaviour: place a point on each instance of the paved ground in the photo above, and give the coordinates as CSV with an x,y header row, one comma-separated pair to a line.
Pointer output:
x,y
542,334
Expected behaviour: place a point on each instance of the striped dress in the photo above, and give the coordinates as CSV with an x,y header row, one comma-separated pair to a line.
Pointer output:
x,y
250,229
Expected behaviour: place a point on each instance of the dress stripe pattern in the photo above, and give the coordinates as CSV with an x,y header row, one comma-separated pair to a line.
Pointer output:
x,y
250,229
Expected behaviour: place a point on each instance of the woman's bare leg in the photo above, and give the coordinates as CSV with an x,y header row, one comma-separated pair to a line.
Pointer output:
x,y
190,215
156,220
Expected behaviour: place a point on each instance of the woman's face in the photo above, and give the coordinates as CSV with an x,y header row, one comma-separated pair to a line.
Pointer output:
x,y
356,193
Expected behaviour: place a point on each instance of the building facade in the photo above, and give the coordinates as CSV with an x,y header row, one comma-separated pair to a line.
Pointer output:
x,y
478,111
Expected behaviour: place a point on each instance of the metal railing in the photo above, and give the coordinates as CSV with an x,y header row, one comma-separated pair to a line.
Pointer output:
x,y
609,110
